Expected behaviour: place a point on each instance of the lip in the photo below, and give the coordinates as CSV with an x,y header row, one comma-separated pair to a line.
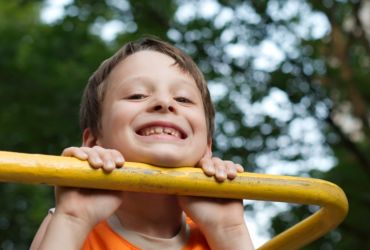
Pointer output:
x,y
164,124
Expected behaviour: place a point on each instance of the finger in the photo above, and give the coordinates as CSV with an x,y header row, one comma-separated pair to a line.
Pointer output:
x,y
112,159
207,166
75,152
93,157
231,171
220,169
239,168
105,155
117,158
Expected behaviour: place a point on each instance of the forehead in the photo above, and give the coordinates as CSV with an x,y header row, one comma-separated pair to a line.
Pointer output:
x,y
149,62
151,65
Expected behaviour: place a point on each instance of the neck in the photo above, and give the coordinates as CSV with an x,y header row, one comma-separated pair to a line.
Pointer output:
x,y
154,215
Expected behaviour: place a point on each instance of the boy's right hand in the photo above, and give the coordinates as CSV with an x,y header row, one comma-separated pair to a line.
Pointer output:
x,y
86,206
90,205
98,157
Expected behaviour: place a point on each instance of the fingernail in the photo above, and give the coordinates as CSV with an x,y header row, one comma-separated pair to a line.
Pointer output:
x,y
120,159
222,173
98,161
83,155
210,169
111,164
220,178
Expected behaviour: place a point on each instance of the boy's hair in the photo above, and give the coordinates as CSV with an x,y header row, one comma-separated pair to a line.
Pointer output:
x,y
93,96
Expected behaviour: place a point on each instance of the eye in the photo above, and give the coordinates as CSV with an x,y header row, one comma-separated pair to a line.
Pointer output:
x,y
183,99
136,97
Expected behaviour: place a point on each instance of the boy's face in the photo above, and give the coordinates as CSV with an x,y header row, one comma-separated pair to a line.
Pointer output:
x,y
153,113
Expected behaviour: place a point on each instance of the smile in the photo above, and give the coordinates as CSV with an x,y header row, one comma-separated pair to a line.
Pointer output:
x,y
161,129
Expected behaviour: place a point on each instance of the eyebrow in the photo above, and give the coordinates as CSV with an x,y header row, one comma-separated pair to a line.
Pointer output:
x,y
144,79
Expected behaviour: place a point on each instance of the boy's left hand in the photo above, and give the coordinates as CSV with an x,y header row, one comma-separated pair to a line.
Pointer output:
x,y
213,213
220,220
210,213
220,169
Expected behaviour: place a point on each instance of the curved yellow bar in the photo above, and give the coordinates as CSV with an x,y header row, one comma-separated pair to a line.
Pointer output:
x,y
67,171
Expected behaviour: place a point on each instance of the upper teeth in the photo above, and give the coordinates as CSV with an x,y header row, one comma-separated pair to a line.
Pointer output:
x,y
160,130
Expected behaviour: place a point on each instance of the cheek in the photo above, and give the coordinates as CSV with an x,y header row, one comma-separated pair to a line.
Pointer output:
x,y
113,118
201,122
121,112
200,125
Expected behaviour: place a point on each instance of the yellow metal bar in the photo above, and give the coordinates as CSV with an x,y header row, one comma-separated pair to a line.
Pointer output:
x,y
67,171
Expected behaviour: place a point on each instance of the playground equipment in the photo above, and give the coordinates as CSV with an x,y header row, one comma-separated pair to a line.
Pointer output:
x,y
68,171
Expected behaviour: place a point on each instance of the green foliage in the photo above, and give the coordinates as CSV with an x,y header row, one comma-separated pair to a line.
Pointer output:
x,y
23,208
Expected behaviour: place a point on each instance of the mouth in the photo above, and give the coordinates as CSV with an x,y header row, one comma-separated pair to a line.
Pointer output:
x,y
162,128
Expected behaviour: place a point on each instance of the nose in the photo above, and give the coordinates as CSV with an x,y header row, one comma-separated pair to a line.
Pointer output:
x,y
162,104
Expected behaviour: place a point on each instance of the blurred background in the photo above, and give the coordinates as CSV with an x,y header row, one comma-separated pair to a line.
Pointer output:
x,y
289,78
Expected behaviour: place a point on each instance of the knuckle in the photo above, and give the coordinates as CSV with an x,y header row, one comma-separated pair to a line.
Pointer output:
x,y
96,147
114,152
69,150
202,161
216,159
86,149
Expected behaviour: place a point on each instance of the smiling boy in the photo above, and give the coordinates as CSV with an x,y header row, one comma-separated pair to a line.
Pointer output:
x,y
148,103
149,111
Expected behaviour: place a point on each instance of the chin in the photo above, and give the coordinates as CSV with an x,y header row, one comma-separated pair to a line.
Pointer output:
x,y
170,162
159,155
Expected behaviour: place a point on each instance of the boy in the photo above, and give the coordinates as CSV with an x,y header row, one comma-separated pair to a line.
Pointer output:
x,y
148,103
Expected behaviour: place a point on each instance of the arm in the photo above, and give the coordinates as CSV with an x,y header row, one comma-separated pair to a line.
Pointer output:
x,y
40,233
57,232
230,238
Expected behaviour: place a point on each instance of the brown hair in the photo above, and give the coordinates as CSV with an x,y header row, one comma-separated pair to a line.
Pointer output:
x,y
93,96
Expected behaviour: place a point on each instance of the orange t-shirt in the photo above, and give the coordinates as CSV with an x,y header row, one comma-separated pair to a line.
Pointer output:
x,y
102,237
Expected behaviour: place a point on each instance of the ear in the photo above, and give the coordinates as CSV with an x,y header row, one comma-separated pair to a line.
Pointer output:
x,y
89,139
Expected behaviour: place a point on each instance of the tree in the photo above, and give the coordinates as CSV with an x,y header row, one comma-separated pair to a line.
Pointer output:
x,y
321,80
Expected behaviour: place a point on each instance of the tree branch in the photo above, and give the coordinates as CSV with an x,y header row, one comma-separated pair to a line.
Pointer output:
x,y
362,37
359,156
